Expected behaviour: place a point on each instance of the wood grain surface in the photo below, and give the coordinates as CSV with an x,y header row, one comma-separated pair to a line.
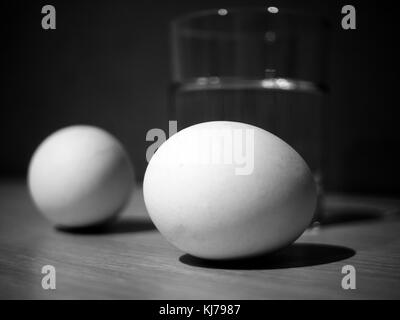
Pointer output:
x,y
131,260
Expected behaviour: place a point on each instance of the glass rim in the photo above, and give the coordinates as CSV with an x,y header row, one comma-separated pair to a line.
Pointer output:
x,y
245,10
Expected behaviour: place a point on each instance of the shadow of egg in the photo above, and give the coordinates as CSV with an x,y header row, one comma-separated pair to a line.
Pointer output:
x,y
294,256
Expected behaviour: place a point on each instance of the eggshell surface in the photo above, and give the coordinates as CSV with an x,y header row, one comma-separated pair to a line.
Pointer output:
x,y
80,176
226,190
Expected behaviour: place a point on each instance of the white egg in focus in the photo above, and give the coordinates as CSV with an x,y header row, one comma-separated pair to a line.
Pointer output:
x,y
217,199
80,176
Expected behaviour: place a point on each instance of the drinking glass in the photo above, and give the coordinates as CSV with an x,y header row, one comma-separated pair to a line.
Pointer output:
x,y
263,66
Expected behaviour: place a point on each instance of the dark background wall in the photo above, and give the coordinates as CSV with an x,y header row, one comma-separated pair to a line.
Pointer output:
x,y
107,64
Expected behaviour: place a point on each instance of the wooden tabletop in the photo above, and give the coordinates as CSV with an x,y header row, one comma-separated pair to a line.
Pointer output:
x,y
131,260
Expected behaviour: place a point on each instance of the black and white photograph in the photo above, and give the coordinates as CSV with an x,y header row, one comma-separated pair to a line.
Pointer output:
x,y
199,153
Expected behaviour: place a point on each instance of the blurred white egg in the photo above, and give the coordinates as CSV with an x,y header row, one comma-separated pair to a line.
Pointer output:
x,y
80,176
222,190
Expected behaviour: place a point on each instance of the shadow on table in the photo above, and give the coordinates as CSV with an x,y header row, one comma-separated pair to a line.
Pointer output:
x,y
354,215
294,256
122,225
